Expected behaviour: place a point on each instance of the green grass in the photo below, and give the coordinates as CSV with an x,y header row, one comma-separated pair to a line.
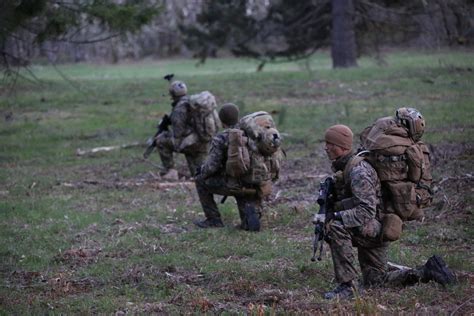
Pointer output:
x,y
95,234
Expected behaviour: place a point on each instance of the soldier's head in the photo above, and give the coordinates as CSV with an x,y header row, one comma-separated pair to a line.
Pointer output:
x,y
338,141
413,121
178,89
229,114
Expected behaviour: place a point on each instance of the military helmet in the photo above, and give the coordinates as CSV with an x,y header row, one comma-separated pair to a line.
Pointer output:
x,y
178,89
413,120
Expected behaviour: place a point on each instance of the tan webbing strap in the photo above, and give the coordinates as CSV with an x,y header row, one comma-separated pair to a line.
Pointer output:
x,y
347,170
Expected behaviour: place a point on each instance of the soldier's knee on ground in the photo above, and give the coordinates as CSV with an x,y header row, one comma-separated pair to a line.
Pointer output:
x,y
372,277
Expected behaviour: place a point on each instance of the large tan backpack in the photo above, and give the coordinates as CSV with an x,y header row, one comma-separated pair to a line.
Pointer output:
x,y
204,118
261,129
403,166
254,154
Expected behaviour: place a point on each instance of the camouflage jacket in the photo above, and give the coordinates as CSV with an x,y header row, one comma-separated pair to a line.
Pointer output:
x,y
217,157
362,187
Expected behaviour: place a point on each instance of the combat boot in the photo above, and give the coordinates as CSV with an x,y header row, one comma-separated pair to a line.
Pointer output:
x,y
252,218
209,223
342,291
435,269
169,174
242,225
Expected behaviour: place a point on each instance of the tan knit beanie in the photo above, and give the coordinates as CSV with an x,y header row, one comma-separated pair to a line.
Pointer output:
x,y
339,135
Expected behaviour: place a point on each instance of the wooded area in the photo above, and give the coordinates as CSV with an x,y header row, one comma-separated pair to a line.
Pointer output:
x,y
270,30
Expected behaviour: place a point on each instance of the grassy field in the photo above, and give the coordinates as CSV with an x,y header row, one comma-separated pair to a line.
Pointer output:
x,y
103,233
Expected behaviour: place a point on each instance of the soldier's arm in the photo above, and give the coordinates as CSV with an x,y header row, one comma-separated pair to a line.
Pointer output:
x,y
364,183
216,158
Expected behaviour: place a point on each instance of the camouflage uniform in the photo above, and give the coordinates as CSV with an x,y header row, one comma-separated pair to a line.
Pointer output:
x,y
172,141
360,227
213,180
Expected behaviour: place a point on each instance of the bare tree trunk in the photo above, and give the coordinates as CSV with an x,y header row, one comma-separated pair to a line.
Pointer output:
x,y
343,42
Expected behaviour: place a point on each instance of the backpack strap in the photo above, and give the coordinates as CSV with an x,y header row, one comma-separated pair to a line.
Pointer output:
x,y
355,160
350,202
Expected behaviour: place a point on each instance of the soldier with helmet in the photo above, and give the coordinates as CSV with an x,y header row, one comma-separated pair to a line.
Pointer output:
x,y
172,141
356,218
212,179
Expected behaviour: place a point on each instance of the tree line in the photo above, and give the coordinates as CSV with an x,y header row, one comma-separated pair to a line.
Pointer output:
x,y
267,30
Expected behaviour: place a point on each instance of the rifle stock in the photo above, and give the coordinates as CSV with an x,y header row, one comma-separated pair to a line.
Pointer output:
x,y
163,125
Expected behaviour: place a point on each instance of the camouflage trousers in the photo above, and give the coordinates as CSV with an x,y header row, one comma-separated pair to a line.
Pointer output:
x,y
371,254
165,145
206,188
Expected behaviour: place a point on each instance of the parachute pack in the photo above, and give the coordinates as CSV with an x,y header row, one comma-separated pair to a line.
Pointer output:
x,y
393,147
254,154
204,115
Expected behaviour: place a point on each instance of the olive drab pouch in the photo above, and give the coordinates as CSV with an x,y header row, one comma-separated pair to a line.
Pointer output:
x,y
275,164
426,176
205,119
265,189
263,170
391,227
415,162
259,170
402,199
238,158
424,194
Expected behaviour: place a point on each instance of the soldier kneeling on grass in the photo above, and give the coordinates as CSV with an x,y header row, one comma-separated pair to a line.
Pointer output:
x,y
234,161
358,223
194,122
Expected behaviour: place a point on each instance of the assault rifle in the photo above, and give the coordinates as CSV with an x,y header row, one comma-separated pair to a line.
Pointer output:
x,y
163,125
325,198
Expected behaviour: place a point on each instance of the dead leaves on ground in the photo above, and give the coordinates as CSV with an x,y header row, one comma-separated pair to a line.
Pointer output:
x,y
77,256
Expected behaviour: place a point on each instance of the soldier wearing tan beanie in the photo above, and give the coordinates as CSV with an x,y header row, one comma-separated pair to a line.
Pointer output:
x,y
355,222
339,135
338,141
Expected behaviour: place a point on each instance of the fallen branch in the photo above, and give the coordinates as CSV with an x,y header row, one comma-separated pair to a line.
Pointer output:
x,y
466,177
459,307
156,185
167,185
397,266
82,152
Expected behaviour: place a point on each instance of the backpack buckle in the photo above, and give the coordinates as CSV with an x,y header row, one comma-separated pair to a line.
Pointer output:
x,y
382,158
